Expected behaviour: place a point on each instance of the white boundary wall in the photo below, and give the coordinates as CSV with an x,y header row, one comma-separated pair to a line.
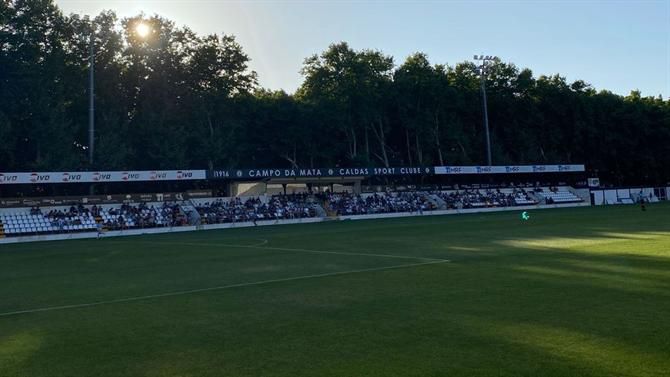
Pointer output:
x,y
461,211
137,232
616,196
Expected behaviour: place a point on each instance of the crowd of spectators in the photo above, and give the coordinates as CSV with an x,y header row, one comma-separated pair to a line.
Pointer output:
x,y
484,198
117,218
278,207
62,218
142,216
350,204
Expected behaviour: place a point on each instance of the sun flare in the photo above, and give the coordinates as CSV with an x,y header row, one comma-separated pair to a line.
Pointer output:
x,y
142,29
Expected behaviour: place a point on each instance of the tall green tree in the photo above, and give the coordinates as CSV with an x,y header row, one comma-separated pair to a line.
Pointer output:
x,y
176,99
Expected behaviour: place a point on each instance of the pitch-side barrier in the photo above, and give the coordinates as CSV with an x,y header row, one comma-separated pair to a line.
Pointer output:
x,y
138,232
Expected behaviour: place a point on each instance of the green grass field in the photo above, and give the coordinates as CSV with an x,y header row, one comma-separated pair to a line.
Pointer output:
x,y
572,292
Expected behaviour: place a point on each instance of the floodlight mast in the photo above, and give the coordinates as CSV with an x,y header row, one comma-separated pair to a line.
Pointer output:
x,y
482,71
91,98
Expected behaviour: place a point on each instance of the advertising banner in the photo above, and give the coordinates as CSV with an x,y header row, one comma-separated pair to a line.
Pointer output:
x,y
101,176
317,172
236,174
508,169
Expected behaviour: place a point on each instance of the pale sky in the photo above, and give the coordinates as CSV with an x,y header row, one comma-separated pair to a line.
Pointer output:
x,y
615,45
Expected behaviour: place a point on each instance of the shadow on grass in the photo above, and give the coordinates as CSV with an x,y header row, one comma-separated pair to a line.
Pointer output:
x,y
581,294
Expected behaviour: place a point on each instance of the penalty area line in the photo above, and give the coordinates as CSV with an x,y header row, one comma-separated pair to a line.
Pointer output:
x,y
218,288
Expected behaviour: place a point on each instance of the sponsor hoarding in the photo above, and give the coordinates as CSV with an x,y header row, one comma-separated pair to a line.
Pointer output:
x,y
508,169
236,174
101,176
318,172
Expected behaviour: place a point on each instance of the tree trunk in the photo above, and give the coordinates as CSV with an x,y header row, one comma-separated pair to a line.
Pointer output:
x,y
419,150
292,160
211,139
211,126
351,141
367,143
353,132
436,132
38,153
379,133
409,150
465,154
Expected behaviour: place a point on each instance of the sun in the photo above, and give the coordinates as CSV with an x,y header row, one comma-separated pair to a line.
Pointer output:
x,y
142,29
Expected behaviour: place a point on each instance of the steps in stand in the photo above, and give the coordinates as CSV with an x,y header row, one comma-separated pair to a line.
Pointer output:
x,y
188,209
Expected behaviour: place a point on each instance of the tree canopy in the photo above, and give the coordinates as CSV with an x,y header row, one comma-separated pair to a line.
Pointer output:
x,y
175,99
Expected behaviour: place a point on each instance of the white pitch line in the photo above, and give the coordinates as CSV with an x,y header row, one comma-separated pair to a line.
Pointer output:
x,y
222,287
263,242
260,247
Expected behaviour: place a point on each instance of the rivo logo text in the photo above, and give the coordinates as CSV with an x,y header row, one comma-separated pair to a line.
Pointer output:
x,y
97,177
8,178
37,178
130,176
67,177
184,174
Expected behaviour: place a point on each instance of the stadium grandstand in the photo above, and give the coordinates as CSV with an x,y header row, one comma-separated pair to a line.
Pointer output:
x,y
275,196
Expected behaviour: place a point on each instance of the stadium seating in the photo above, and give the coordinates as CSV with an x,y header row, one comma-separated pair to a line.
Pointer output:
x,y
559,196
277,207
142,216
485,198
350,204
23,223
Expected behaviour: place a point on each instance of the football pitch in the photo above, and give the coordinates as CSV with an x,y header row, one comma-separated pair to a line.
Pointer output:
x,y
570,292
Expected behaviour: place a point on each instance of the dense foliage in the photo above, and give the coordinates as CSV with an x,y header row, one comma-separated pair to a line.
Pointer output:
x,y
176,99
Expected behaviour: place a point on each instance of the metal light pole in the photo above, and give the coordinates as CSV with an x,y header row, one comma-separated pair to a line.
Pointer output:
x,y
91,101
482,68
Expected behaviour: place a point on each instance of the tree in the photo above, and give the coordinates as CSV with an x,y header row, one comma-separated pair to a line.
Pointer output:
x,y
352,85
176,99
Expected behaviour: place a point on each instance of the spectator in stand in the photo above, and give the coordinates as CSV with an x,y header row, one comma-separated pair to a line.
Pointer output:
x,y
348,204
253,209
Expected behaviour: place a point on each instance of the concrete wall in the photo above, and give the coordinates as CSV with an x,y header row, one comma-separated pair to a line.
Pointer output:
x,y
249,189
613,196
461,211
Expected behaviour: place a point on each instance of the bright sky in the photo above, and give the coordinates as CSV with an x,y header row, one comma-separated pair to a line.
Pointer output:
x,y
615,45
